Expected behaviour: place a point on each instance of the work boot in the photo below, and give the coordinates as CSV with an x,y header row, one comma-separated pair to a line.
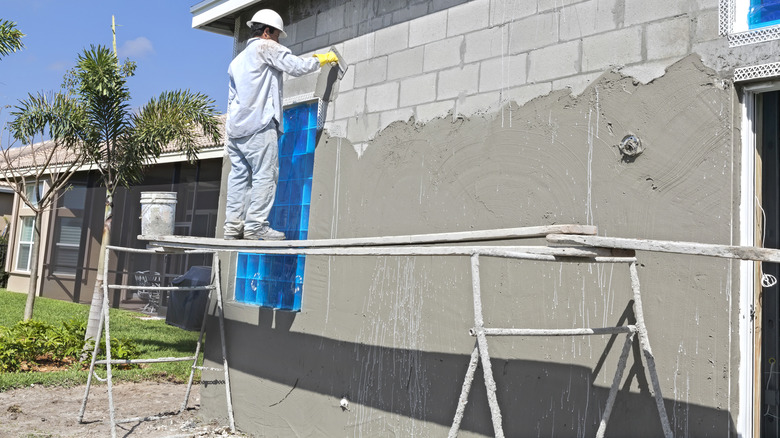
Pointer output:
x,y
267,233
233,231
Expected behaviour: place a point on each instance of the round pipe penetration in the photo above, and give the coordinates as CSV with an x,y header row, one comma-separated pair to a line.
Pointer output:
x,y
631,146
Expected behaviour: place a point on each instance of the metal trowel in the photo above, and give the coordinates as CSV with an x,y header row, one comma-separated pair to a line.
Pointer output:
x,y
330,74
342,64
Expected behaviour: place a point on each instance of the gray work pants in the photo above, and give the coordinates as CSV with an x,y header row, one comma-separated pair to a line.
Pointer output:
x,y
251,188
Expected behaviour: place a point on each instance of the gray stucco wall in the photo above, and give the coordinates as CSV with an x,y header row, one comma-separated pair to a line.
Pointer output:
x,y
492,114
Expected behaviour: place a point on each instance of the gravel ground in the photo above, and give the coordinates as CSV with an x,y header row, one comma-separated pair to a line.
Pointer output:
x,y
40,412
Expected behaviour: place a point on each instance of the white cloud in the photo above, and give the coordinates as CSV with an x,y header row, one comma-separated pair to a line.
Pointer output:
x,y
57,66
137,48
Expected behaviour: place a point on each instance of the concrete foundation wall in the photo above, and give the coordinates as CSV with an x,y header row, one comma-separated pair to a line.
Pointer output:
x,y
492,114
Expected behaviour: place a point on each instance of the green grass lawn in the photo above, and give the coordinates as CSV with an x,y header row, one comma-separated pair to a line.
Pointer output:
x,y
154,338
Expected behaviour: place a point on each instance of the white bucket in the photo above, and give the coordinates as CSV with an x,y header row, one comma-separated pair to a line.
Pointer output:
x,y
158,213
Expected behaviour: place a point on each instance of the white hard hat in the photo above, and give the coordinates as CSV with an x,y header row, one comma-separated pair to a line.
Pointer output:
x,y
270,18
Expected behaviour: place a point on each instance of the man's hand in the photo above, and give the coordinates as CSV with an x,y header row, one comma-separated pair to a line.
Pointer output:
x,y
326,58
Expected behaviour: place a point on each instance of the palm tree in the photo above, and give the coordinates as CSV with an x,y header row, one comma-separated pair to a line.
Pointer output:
x,y
39,173
10,38
118,142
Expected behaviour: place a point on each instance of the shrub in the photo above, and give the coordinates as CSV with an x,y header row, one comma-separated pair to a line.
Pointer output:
x,y
66,341
123,348
32,342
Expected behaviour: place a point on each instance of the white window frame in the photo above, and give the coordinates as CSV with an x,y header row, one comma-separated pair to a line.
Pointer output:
x,y
31,194
749,380
732,22
22,242
747,286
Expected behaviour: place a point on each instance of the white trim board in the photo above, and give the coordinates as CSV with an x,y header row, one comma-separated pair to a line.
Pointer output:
x,y
206,12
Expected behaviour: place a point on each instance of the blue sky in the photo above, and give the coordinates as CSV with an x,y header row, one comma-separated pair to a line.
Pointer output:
x,y
157,35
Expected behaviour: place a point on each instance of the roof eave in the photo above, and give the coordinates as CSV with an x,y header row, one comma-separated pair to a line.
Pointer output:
x,y
211,15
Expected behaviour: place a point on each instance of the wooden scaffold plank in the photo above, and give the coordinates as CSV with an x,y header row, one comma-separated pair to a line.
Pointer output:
x,y
417,239
668,246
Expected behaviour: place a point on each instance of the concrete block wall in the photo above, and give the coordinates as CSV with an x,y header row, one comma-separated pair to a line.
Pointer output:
x,y
314,25
431,61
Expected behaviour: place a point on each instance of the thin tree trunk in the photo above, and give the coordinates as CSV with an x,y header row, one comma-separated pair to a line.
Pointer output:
x,y
32,288
97,294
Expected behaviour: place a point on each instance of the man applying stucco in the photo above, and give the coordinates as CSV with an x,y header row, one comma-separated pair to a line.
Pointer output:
x,y
254,124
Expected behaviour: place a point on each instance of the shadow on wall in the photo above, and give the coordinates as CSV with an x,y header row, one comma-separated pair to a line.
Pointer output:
x,y
536,398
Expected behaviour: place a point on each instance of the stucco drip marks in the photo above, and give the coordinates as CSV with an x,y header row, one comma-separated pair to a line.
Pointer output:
x,y
593,130
398,289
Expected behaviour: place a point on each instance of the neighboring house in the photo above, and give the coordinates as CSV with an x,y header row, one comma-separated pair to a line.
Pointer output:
x,y
654,120
72,228
6,211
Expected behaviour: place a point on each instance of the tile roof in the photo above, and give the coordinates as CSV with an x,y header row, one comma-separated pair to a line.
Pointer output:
x,y
33,155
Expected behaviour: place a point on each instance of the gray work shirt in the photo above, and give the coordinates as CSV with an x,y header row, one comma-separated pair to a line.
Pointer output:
x,y
255,92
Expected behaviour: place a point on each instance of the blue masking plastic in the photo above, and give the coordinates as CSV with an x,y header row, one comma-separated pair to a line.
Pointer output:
x,y
763,13
276,281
